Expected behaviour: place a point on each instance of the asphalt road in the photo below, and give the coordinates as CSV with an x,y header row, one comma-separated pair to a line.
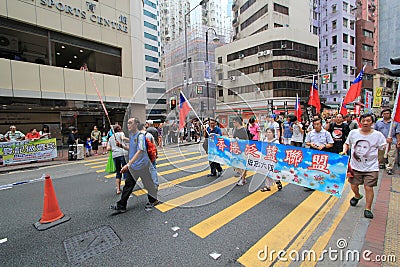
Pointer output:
x,y
146,238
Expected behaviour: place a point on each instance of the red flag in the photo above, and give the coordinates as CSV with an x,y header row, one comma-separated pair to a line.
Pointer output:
x,y
396,108
297,108
184,110
314,97
355,88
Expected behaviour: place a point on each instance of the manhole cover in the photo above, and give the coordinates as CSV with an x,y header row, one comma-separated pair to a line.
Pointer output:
x,y
91,243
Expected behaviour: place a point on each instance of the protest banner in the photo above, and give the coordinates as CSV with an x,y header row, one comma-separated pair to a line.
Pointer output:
x,y
319,170
26,151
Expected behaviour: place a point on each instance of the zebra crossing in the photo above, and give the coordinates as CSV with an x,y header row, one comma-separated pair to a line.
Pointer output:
x,y
177,170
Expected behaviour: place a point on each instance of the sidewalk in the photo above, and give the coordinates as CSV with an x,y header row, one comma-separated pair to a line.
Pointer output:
x,y
383,234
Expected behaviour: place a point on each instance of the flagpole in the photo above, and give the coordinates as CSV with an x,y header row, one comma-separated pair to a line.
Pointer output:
x,y
190,105
392,120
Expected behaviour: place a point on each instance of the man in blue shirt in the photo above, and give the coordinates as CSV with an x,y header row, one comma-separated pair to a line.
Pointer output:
x,y
392,139
213,129
137,166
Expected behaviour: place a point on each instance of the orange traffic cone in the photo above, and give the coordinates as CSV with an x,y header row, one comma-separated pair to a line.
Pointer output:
x,y
52,214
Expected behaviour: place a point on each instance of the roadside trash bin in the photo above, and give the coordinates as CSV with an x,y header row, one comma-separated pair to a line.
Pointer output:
x,y
80,152
72,152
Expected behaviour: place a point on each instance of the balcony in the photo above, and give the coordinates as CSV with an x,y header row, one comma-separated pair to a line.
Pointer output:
x,y
235,6
235,22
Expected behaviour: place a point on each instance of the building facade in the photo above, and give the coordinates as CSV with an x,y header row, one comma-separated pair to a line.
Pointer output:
x,y
157,102
337,33
46,45
389,26
272,59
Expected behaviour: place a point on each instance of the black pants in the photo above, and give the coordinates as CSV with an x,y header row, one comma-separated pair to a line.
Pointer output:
x,y
130,182
215,166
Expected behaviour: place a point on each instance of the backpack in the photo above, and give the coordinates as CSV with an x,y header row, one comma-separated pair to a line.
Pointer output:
x,y
151,149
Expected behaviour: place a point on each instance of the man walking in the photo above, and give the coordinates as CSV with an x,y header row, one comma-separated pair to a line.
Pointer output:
x,y
364,143
213,129
392,140
339,132
137,166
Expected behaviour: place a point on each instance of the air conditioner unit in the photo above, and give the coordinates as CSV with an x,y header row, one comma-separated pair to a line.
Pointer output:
x,y
219,83
261,69
232,78
283,46
260,54
267,52
241,55
9,43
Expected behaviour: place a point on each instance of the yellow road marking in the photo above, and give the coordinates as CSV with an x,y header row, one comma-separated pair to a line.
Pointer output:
x,y
97,162
311,227
324,239
173,203
170,171
176,156
284,232
93,160
98,166
213,223
180,161
176,181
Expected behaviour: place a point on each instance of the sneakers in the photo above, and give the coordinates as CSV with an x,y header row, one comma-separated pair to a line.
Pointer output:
x,y
381,166
241,182
279,185
219,174
211,175
118,209
149,206
368,214
389,171
354,200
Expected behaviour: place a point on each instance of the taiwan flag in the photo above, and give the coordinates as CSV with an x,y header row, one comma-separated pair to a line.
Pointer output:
x,y
396,108
314,97
355,88
184,109
297,108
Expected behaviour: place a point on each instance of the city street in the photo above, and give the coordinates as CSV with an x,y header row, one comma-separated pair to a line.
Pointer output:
x,y
209,215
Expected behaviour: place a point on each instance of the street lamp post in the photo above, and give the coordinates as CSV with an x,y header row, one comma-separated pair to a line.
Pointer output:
x,y
202,2
216,38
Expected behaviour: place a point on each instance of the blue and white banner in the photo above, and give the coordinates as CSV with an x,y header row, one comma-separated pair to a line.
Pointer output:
x,y
319,170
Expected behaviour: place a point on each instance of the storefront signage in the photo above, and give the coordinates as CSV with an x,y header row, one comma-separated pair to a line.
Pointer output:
x,y
89,14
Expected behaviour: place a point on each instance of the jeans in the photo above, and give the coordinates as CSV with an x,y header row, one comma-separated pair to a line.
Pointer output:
x,y
130,182
119,162
153,172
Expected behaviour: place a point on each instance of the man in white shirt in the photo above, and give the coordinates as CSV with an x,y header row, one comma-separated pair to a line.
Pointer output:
x,y
364,143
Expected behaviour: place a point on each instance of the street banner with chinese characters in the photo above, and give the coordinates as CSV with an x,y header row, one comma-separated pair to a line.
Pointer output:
x,y
26,151
377,102
319,170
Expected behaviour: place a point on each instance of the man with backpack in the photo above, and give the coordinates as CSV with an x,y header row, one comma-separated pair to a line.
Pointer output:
x,y
138,166
151,151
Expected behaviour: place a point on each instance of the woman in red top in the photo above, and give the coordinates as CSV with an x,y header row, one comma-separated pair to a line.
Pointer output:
x,y
32,135
254,128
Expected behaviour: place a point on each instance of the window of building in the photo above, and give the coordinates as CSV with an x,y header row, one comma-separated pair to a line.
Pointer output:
x,y
24,42
326,27
220,76
334,39
277,25
150,25
334,8
315,15
254,17
220,93
352,24
334,25
157,101
345,6
149,14
151,47
367,62
345,69
326,42
352,10
352,71
334,55
219,59
150,36
150,58
352,40
345,53
345,22
155,90
246,5
151,69
334,85
281,9
368,48
315,30
352,55
151,4
334,70
368,33
345,38
345,84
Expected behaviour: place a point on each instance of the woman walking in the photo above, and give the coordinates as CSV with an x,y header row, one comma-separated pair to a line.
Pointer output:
x,y
270,138
118,153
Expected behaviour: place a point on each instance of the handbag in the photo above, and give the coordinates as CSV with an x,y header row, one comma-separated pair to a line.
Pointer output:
x,y
110,168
